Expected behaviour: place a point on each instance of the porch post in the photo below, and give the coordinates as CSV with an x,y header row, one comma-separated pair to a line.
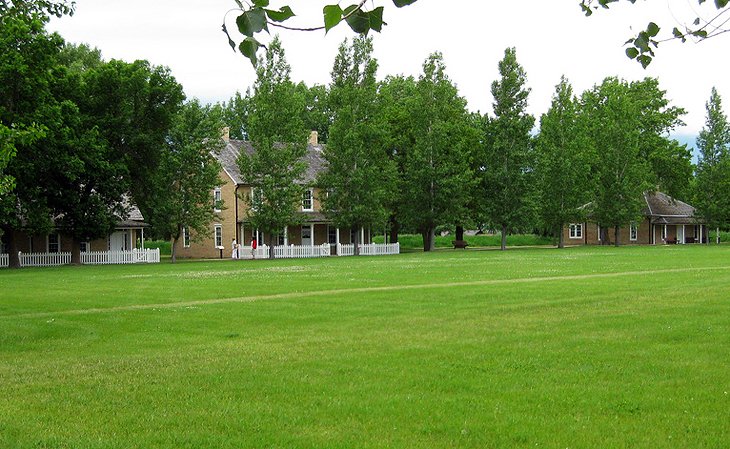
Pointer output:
x,y
700,233
142,239
286,236
684,234
311,241
337,236
362,236
653,241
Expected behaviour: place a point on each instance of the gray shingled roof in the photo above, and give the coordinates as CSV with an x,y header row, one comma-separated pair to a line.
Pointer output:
x,y
660,204
662,209
228,158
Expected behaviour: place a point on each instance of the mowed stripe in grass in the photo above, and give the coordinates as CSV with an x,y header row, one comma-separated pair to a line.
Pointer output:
x,y
592,361
356,291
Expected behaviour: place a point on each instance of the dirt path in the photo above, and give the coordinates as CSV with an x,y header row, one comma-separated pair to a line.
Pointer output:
x,y
388,288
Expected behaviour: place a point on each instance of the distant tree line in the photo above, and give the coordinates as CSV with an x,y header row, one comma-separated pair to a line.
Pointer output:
x,y
405,155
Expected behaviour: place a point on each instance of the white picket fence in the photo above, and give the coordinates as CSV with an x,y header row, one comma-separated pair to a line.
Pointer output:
x,y
121,257
301,251
371,249
87,258
375,249
324,250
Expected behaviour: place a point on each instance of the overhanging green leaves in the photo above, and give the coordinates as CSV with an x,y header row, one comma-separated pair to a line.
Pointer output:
x,y
252,21
332,16
248,48
357,19
284,13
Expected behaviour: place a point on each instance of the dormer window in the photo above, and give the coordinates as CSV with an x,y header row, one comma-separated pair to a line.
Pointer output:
x,y
308,200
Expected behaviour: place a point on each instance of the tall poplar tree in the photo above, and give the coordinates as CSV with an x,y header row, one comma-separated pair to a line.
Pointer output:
x,y
563,162
621,173
187,173
275,169
437,183
396,95
713,168
359,178
629,125
507,169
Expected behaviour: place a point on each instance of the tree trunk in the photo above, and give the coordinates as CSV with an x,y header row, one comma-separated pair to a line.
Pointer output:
x,y
356,243
459,232
13,257
173,249
504,238
616,233
561,238
271,246
75,251
604,236
429,239
394,229
717,234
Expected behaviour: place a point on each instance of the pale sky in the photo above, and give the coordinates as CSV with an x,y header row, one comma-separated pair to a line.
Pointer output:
x,y
552,38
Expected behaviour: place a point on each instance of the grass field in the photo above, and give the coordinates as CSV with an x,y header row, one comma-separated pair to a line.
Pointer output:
x,y
579,348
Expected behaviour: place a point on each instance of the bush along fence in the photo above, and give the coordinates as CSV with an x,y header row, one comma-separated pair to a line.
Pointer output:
x,y
87,258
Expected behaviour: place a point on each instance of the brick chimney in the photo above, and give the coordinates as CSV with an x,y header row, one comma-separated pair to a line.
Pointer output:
x,y
314,138
226,134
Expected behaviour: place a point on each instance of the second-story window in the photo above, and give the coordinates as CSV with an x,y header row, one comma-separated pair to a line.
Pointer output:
x,y
217,199
308,200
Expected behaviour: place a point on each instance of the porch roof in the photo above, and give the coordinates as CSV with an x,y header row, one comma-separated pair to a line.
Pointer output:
x,y
308,217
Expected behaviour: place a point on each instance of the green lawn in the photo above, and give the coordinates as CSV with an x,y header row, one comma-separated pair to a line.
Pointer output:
x,y
578,348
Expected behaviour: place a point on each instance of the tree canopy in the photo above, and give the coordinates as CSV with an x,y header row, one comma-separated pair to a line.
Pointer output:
x,y
275,169
507,161
183,206
563,162
359,178
713,168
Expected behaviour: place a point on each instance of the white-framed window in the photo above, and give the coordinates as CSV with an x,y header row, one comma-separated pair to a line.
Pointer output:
x,y
85,247
54,243
218,236
308,200
633,232
186,237
331,234
576,230
281,237
217,199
